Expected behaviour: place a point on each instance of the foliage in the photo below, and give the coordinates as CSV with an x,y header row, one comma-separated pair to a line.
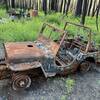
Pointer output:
x,y
28,29
20,30
64,97
2,13
69,85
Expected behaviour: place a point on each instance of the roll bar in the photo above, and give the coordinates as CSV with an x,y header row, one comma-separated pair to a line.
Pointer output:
x,y
55,29
84,27
52,27
78,25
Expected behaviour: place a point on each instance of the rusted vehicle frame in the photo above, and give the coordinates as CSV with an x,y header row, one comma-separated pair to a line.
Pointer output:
x,y
84,27
62,68
95,55
22,58
55,29
51,57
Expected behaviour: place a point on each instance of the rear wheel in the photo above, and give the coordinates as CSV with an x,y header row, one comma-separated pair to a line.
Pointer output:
x,y
85,66
20,82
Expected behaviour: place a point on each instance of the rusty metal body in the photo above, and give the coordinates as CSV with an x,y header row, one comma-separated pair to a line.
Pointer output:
x,y
62,56
21,59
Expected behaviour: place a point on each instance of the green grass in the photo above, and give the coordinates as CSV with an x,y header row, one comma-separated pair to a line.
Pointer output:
x,y
63,97
27,30
2,12
19,31
69,85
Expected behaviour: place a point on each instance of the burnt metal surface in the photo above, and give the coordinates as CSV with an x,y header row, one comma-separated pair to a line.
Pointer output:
x,y
53,29
84,50
4,72
50,45
24,66
75,50
89,35
22,51
62,56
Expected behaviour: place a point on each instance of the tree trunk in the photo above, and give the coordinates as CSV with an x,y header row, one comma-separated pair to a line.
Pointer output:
x,y
61,6
45,6
6,3
65,7
55,6
97,13
68,4
85,6
79,8
90,6
93,10
52,5
13,3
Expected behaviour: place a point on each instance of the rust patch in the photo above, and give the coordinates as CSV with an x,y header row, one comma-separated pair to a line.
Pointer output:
x,y
24,66
53,46
24,50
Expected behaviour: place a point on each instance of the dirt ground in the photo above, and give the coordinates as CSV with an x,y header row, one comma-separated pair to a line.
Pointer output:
x,y
87,87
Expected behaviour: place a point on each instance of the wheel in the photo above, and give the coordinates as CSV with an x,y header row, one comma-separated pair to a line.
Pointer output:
x,y
84,66
20,82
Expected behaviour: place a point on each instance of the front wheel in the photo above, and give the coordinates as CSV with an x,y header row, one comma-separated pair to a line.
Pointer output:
x,y
20,82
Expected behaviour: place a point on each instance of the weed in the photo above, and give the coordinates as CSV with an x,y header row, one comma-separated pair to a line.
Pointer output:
x,y
69,85
64,97
27,30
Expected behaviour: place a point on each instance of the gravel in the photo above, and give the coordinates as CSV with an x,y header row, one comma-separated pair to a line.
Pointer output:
x,y
87,87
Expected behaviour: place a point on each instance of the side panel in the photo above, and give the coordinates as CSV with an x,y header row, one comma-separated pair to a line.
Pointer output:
x,y
19,52
24,66
52,46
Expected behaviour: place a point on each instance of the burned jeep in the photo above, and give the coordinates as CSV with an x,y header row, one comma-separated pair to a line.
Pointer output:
x,y
52,53
19,60
84,49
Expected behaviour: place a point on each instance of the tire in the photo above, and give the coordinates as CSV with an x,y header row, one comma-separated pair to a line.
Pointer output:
x,y
21,82
85,66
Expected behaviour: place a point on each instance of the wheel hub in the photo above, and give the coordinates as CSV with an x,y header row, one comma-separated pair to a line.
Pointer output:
x,y
85,66
21,82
